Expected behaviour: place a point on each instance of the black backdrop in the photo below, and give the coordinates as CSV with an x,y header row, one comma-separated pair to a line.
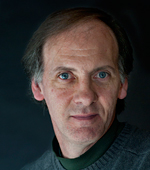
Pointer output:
x,y
25,128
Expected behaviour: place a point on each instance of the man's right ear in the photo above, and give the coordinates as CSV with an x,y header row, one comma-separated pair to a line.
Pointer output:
x,y
36,90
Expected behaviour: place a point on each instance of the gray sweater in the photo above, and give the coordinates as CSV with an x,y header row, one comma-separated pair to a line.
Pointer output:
x,y
130,151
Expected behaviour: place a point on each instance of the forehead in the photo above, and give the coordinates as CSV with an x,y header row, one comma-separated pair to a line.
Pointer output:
x,y
92,37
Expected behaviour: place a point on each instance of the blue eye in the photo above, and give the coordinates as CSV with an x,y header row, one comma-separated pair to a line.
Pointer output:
x,y
64,76
102,75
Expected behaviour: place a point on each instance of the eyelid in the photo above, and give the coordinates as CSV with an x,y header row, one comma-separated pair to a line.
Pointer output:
x,y
63,73
108,74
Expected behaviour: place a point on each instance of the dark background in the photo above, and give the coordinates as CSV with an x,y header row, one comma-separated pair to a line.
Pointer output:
x,y
25,127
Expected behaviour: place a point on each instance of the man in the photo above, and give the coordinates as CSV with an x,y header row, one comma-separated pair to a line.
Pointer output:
x,y
78,62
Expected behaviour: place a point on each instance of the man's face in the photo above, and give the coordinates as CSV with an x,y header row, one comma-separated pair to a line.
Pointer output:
x,y
81,82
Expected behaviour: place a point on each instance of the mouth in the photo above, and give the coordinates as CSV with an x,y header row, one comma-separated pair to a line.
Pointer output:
x,y
84,117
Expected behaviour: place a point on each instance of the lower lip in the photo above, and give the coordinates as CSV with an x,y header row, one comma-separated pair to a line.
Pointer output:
x,y
85,117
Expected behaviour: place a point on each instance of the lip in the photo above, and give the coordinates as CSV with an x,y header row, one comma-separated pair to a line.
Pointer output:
x,y
84,117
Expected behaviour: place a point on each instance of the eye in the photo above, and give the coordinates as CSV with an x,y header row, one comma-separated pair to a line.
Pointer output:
x,y
102,74
64,76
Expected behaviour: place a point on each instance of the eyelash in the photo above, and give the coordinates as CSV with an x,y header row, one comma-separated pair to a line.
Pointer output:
x,y
107,74
69,74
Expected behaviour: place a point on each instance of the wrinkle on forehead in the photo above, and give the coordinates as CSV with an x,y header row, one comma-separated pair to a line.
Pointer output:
x,y
78,39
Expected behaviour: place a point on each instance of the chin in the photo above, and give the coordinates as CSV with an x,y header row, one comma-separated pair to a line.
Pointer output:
x,y
86,135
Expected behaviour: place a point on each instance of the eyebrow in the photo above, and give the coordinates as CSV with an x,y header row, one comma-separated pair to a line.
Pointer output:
x,y
64,68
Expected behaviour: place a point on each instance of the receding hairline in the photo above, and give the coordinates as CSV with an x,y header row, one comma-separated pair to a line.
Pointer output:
x,y
85,21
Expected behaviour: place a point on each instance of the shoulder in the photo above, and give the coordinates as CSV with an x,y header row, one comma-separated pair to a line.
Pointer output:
x,y
43,163
138,141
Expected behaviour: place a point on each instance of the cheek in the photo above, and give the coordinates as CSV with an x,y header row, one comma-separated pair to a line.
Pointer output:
x,y
62,95
108,97
58,100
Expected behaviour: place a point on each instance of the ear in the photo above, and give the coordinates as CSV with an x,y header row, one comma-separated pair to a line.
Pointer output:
x,y
36,90
123,90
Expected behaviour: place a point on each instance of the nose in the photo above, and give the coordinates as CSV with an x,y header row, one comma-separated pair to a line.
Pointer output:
x,y
85,94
